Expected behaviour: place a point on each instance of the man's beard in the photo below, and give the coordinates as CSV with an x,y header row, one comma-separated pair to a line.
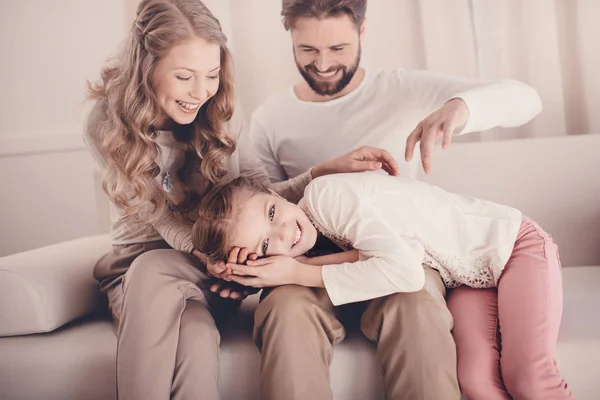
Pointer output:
x,y
329,88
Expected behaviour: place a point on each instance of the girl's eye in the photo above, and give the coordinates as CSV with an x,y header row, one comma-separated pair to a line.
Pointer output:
x,y
265,247
271,213
184,78
214,77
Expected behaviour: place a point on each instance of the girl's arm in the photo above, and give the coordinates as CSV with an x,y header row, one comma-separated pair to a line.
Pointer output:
x,y
337,258
389,261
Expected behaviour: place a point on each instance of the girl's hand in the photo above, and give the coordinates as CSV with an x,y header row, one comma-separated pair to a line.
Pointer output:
x,y
266,272
275,271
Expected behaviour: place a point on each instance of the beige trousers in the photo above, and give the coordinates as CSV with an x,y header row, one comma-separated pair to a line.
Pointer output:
x,y
296,327
168,341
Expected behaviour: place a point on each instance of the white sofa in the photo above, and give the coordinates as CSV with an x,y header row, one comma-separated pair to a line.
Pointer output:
x,y
556,181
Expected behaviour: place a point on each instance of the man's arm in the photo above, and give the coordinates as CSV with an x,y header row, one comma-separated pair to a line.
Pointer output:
x,y
494,103
455,106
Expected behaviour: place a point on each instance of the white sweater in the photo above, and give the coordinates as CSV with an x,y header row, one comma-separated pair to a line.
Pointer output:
x,y
291,135
397,225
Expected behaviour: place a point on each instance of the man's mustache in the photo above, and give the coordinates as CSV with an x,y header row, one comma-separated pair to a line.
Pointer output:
x,y
313,67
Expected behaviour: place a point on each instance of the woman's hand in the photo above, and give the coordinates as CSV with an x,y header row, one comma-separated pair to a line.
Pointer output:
x,y
359,160
220,271
232,290
276,271
216,270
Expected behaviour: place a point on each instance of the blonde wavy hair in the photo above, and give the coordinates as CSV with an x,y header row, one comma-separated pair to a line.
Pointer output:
x,y
128,134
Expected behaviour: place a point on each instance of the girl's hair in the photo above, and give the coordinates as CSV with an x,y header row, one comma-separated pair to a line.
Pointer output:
x,y
211,233
127,133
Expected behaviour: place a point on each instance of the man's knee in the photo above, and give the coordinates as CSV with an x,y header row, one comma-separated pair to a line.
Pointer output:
x,y
416,312
409,305
288,302
296,310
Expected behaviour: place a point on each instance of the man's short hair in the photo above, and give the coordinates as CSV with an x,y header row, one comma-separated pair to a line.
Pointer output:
x,y
292,10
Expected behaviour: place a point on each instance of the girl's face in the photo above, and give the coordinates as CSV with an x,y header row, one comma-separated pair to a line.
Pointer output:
x,y
269,225
185,79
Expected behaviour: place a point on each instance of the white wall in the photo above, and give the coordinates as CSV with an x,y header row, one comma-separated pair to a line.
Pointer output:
x,y
48,48
48,188
394,38
549,45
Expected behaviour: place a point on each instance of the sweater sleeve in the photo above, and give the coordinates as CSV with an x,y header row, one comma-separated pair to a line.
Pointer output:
x,y
176,232
498,103
252,167
389,263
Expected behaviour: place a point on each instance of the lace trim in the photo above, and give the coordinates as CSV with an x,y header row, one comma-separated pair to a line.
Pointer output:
x,y
479,273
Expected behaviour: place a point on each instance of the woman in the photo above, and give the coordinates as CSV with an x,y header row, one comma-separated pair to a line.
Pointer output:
x,y
164,132
391,228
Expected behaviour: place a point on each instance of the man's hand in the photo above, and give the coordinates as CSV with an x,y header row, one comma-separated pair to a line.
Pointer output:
x,y
439,124
359,160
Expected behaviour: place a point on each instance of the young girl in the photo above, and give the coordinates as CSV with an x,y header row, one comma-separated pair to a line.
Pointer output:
x,y
390,228
164,132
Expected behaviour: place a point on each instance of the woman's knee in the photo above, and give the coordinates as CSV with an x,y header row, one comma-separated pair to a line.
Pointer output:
x,y
154,268
152,285
198,332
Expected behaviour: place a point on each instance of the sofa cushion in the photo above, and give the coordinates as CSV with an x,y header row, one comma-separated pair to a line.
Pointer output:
x,y
78,360
43,289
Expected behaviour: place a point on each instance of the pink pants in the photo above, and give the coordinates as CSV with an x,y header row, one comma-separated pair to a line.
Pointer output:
x,y
506,336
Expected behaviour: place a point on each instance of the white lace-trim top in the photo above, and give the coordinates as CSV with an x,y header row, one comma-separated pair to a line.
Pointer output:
x,y
399,224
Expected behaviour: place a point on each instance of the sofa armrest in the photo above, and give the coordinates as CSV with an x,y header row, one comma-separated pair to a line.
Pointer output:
x,y
43,289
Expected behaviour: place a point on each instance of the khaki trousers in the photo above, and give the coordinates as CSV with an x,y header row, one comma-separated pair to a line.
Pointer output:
x,y
168,341
296,327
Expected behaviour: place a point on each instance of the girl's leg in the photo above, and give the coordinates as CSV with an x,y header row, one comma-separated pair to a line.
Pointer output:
x,y
475,332
530,309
